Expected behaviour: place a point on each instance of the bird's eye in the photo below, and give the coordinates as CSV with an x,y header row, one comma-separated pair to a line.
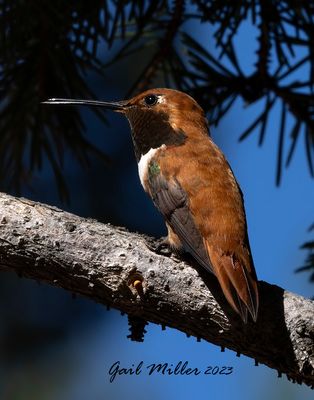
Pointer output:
x,y
150,100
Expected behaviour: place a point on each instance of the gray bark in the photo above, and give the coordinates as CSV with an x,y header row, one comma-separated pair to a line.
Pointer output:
x,y
101,262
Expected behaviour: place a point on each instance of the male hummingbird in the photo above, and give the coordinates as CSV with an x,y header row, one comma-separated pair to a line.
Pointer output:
x,y
192,185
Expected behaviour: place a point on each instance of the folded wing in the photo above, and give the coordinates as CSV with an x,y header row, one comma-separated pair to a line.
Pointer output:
x,y
234,271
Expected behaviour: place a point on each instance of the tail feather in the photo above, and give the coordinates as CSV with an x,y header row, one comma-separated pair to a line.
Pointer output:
x,y
237,281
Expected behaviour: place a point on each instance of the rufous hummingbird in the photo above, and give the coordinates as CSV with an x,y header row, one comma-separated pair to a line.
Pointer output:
x,y
192,185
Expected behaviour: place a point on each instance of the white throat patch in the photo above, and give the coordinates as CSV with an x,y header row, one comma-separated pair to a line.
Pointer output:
x,y
144,163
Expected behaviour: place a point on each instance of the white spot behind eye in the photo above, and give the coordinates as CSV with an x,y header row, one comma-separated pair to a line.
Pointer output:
x,y
161,99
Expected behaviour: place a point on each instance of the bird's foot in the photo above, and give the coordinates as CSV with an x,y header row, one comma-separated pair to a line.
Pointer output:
x,y
160,246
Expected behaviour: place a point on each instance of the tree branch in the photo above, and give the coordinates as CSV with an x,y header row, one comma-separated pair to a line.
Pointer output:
x,y
102,262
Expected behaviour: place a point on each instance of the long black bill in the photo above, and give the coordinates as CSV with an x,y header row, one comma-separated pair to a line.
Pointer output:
x,y
119,105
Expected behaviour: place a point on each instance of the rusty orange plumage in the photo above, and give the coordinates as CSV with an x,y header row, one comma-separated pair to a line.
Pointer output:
x,y
192,185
